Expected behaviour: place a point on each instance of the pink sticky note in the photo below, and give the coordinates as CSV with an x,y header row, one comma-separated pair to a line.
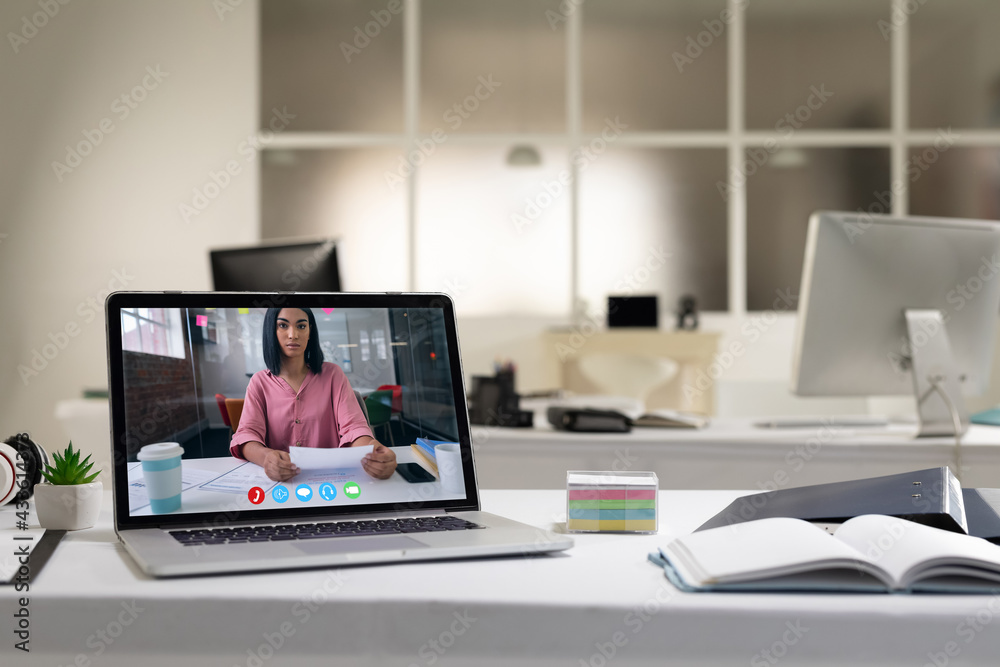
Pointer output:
x,y
201,320
327,310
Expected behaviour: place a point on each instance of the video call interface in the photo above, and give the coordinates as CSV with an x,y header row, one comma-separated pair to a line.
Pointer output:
x,y
186,376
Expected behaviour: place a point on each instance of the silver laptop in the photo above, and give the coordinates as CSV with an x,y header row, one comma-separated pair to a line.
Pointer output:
x,y
180,365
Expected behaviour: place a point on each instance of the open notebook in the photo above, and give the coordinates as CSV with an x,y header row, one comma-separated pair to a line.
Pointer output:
x,y
868,553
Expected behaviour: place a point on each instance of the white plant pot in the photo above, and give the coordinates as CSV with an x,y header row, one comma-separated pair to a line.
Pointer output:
x,y
70,507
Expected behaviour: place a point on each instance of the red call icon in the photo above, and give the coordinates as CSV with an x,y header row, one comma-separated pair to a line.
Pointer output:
x,y
256,495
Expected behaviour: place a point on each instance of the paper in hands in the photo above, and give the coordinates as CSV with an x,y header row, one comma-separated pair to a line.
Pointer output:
x,y
323,458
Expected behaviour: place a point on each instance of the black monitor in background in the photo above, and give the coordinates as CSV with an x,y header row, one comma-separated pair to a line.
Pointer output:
x,y
632,311
310,266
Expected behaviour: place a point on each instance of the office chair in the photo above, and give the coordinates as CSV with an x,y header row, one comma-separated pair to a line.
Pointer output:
x,y
221,402
379,404
234,406
622,374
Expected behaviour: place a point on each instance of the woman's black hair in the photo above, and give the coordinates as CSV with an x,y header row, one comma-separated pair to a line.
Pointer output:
x,y
272,350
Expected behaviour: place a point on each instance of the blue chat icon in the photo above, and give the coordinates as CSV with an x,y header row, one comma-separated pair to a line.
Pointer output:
x,y
304,492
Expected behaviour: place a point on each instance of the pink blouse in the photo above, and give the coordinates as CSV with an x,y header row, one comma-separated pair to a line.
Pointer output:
x,y
325,412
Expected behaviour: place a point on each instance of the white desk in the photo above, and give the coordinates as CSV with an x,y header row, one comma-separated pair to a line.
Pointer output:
x,y
553,610
729,454
199,499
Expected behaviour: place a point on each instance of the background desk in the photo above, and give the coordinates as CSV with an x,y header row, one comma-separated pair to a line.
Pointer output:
x,y
729,454
553,610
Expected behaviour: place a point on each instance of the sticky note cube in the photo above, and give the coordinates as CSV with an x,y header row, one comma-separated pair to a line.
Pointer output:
x,y
605,501
201,320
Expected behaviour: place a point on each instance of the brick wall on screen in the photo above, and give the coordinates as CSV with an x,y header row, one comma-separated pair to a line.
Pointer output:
x,y
160,398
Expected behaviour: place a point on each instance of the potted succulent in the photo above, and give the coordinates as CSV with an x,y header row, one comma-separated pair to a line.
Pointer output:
x,y
69,498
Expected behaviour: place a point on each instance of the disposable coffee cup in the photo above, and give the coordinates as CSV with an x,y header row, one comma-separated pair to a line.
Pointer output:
x,y
161,468
449,463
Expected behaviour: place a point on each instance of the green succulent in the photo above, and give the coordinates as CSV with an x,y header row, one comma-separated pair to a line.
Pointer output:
x,y
69,469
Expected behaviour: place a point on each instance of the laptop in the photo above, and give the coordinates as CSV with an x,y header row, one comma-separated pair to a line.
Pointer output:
x,y
179,365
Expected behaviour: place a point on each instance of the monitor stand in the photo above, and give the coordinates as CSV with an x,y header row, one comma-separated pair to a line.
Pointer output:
x,y
936,382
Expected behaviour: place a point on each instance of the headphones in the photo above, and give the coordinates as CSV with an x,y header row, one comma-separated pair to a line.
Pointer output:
x,y
22,461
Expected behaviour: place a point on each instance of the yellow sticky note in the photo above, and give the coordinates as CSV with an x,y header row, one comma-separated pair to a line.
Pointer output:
x,y
583,524
642,525
243,311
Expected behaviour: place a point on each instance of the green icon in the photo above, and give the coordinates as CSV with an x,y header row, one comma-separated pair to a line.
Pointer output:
x,y
352,490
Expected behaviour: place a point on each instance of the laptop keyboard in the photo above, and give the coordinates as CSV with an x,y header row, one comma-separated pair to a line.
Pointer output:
x,y
319,531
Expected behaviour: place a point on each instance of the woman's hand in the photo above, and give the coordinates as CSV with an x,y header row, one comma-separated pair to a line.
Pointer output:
x,y
381,463
278,466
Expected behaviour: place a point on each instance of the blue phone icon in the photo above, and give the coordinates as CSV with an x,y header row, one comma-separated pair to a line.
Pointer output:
x,y
280,494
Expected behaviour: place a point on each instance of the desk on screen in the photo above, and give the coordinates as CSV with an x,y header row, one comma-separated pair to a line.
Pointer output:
x,y
222,484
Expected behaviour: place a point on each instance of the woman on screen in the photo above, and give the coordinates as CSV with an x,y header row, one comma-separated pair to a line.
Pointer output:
x,y
299,400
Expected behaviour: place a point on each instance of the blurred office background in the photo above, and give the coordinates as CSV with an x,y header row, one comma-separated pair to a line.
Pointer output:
x,y
437,142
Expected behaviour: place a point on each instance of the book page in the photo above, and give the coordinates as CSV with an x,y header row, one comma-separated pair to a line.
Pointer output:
x,y
670,419
760,550
908,550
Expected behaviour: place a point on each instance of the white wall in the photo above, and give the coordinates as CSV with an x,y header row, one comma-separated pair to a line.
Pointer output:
x,y
117,212
754,382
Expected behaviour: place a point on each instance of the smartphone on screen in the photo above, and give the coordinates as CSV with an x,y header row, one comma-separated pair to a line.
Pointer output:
x,y
414,473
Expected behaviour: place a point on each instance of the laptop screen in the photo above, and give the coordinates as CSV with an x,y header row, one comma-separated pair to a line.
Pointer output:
x,y
269,405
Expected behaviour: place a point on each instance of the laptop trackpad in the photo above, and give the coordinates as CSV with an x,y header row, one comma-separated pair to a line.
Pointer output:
x,y
344,545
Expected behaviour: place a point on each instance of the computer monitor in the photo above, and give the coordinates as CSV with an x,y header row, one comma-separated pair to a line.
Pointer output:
x,y
894,305
305,266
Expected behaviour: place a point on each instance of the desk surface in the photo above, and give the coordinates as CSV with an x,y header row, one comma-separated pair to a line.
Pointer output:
x,y
729,454
601,596
197,498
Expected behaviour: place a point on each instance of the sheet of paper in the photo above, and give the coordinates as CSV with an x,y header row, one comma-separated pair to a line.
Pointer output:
x,y
317,458
137,485
317,477
240,480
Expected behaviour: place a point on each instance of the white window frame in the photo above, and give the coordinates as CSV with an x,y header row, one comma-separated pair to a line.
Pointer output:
x,y
171,327
736,139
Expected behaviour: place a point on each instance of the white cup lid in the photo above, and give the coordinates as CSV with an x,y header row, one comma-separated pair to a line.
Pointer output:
x,y
159,451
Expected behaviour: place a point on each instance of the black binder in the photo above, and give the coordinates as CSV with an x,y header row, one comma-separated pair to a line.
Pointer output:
x,y
981,507
932,497
587,420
